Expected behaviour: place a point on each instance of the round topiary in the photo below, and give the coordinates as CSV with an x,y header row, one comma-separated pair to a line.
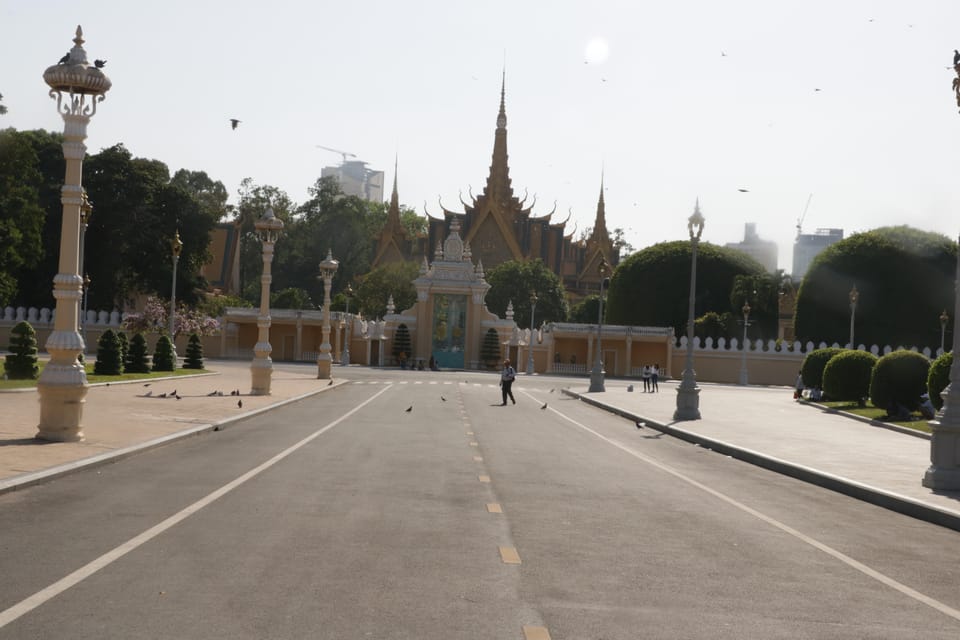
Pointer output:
x,y
21,364
901,377
136,361
109,361
847,375
813,364
163,356
939,377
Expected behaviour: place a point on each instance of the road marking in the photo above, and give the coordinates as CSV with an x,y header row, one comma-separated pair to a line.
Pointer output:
x,y
830,551
447,382
509,555
483,478
433,382
474,444
535,633
48,593
418,382
478,458
405,382
493,507
469,433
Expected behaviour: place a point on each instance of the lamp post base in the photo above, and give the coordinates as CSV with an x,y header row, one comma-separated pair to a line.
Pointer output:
x,y
324,364
261,371
944,471
63,390
743,377
688,403
596,379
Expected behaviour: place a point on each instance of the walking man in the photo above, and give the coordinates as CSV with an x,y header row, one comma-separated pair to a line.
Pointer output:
x,y
655,378
646,378
507,377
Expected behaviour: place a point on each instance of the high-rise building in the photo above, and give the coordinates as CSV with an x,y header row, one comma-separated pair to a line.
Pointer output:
x,y
808,245
357,180
763,251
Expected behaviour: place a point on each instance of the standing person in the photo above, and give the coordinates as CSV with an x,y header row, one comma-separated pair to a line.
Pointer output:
x,y
646,378
798,388
507,377
655,378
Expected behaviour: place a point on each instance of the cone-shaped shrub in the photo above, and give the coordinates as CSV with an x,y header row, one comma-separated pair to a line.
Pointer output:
x,y
490,348
847,375
124,345
21,364
137,355
109,362
194,357
163,355
939,378
901,377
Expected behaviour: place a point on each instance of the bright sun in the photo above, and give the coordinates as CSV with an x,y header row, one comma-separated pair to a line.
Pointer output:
x,y
597,51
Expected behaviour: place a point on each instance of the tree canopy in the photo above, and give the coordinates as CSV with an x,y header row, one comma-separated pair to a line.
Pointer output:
x,y
905,279
21,216
376,287
652,287
515,281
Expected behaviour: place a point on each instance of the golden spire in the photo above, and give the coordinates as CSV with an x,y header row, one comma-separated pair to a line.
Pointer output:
x,y
600,224
498,182
393,212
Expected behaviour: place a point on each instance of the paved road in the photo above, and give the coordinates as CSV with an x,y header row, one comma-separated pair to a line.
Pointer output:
x,y
344,516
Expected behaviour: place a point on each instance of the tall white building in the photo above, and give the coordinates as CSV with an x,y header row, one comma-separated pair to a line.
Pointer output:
x,y
357,180
763,251
808,245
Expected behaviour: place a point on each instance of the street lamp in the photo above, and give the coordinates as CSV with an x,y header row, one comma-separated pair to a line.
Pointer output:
x,y
688,393
743,347
86,209
63,384
854,296
533,311
944,319
345,356
324,361
86,297
176,247
268,229
597,373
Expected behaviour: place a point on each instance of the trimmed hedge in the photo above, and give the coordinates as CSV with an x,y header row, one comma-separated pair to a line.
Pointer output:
x,y
901,377
136,361
813,364
163,357
939,378
109,360
194,357
21,364
846,375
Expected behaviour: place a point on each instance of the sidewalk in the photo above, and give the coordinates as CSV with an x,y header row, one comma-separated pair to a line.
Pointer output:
x,y
766,427
120,419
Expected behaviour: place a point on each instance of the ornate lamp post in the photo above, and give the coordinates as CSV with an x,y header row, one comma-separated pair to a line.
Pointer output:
x,y
176,248
597,373
533,311
944,319
324,361
63,383
86,296
268,229
854,296
743,348
688,393
86,209
345,356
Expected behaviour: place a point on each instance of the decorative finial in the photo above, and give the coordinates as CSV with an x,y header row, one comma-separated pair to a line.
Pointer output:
x,y
79,39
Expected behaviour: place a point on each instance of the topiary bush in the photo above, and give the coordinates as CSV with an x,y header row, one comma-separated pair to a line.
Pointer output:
x,y
109,361
163,358
813,364
401,342
939,377
901,377
136,361
21,364
124,345
194,357
846,375
490,349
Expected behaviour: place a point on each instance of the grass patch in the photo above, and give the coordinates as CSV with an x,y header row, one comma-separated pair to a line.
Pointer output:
x,y
917,422
94,379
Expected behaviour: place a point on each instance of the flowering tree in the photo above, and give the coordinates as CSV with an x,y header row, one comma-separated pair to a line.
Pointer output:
x,y
155,318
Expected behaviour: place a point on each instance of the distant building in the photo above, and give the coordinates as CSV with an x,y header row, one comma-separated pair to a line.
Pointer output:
x,y
808,245
357,180
763,251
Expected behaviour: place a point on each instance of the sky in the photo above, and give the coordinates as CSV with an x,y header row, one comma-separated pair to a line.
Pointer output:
x,y
846,105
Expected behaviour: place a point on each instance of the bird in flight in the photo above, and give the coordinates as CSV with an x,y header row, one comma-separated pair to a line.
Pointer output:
x,y
743,190
409,409
234,122
442,398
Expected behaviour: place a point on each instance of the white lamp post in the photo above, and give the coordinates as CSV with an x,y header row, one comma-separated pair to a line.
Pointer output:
x,y
688,393
854,296
345,356
597,373
77,88
944,319
743,348
86,209
176,248
268,229
533,311
324,360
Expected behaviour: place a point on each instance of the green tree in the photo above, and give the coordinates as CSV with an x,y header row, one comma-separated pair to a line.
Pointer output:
x,y
136,361
515,281
163,359
762,292
652,286
904,276
21,363
21,216
254,201
377,286
194,357
292,298
109,361
587,311
3,109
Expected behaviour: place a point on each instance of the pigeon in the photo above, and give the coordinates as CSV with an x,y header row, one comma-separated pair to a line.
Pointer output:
x,y
211,394
544,406
176,396
148,394
147,384
64,59
330,383
240,404
442,398
162,395
639,425
99,64
956,57
410,408
233,123
551,390
174,392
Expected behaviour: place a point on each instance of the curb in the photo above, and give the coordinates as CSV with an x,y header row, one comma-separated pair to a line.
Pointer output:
x,y
879,497
37,477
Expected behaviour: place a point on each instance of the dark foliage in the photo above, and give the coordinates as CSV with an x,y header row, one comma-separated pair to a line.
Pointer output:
x,y
194,357
401,341
587,311
490,349
109,362
847,375
939,378
163,355
124,345
515,281
904,277
21,363
136,361
813,364
901,377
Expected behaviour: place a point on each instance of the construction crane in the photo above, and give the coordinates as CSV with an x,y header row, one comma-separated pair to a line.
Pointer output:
x,y
803,215
345,154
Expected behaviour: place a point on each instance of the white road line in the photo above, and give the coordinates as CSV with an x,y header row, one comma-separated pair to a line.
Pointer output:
x,y
433,382
447,382
859,566
418,382
32,602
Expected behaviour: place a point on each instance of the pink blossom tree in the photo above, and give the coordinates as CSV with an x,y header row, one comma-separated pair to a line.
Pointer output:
x,y
155,318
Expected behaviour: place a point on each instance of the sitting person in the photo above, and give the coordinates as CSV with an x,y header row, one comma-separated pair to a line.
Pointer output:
x,y
926,407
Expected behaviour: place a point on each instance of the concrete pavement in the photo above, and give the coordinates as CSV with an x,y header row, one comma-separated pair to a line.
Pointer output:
x,y
763,426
